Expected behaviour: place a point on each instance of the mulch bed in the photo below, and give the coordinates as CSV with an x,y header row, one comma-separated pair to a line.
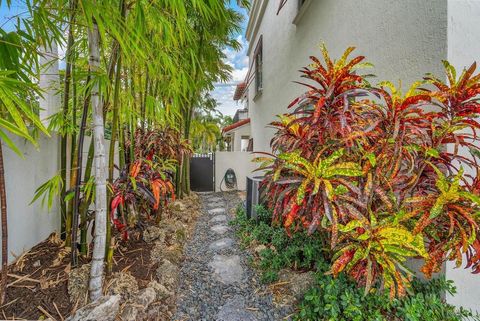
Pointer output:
x,y
38,281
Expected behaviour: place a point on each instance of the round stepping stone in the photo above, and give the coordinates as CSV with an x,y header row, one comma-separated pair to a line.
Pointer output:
x,y
216,211
235,310
227,269
221,244
218,219
219,229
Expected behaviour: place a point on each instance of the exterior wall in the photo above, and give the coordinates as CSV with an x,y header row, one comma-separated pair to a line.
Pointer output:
x,y
30,224
404,39
49,82
237,137
240,162
463,50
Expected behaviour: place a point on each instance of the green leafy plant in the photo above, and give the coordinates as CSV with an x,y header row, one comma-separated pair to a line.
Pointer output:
x,y
380,173
340,299
148,185
281,251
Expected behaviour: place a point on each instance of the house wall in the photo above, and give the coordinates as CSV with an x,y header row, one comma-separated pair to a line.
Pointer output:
x,y
463,50
30,224
238,133
240,162
404,39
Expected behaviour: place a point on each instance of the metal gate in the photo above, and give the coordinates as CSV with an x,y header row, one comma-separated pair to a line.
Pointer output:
x,y
202,172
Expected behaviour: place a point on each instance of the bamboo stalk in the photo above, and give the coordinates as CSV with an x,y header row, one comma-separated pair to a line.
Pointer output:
x,y
3,207
98,256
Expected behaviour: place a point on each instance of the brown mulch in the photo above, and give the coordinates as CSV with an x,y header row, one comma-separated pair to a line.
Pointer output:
x,y
38,280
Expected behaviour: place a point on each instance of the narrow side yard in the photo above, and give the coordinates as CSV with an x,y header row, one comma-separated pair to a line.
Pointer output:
x,y
216,281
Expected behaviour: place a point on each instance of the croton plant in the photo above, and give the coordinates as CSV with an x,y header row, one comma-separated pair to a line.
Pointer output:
x,y
385,176
146,184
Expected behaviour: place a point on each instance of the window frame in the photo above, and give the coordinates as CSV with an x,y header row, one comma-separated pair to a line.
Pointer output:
x,y
258,63
302,6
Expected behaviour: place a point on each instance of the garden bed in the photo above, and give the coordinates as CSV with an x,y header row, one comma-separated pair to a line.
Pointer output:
x,y
42,284
296,269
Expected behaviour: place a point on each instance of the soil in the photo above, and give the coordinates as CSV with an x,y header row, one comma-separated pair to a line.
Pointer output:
x,y
38,280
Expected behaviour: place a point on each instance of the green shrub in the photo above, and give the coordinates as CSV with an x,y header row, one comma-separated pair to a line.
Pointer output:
x,y
340,299
299,251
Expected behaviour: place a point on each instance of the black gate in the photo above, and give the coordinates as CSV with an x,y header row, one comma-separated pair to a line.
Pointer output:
x,y
202,172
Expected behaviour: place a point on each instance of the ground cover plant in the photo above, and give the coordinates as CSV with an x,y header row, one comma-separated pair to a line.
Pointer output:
x,y
386,176
338,298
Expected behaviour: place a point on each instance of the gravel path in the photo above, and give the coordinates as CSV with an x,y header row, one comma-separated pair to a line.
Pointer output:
x,y
216,282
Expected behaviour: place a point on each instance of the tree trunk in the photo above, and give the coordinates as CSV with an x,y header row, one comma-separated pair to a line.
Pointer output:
x,y
66,217
86,203
3,201
98,256
78,175
111,157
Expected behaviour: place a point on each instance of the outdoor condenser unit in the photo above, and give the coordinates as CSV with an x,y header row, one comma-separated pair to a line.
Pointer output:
x,y
253,195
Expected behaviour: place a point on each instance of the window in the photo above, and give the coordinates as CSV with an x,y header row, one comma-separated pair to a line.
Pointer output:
x,y
258,56
250,145
244,143
302,9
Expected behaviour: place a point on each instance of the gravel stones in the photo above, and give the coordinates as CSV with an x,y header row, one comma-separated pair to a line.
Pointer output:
x,y
216,281
227,268
221,244
234,310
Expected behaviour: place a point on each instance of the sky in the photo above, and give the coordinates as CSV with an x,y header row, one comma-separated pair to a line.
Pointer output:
x,y
223,92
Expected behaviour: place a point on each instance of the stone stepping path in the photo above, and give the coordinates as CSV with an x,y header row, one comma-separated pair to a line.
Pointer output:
x,y
216,282
221,244
227,268
216,210
218,219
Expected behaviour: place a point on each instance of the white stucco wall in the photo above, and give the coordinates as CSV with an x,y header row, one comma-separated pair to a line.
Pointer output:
x,y
404,39
30,224
240,162
463,50
49,82
237,136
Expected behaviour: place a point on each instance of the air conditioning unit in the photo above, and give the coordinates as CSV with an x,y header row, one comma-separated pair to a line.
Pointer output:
x,y
254,196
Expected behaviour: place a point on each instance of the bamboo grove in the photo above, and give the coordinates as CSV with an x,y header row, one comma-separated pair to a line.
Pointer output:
x,y
135,81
